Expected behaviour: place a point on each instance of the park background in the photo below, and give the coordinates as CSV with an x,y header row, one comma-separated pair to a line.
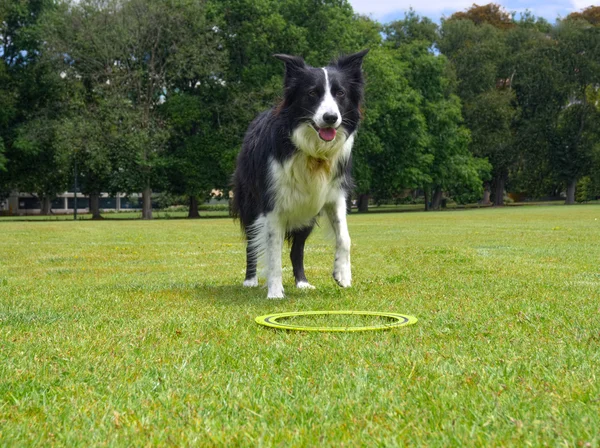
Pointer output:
x,y
145,103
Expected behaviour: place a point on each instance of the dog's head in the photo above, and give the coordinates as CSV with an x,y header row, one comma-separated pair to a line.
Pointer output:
x,y
324,101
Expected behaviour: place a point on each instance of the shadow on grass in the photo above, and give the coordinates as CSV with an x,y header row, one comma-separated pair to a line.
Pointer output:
x,y
238,294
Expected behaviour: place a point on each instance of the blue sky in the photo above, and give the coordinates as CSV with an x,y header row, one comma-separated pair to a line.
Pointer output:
x,y
387,10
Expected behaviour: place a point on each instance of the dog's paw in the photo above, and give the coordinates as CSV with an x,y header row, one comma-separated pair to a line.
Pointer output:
x,y
275,292
250,282
343,277
304,285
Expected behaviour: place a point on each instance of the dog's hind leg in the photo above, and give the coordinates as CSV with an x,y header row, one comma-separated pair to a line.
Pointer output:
x,y
251,261
298,238
255,249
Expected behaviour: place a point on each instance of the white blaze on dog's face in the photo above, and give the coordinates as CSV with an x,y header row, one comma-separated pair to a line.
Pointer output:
x,y
327,118
323,103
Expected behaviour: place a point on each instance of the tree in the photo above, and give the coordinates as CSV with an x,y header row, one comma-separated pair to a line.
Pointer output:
x,y
412,29
2,158
390,150
197,160
31,96
38,170
453,167
577,125
132,55
491,116
559,123
477,46
83,143
7,108
199,154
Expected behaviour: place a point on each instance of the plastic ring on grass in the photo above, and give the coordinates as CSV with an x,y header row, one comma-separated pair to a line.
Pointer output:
x,y
270,320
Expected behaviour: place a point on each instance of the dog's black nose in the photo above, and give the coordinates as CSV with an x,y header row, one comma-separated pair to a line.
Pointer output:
x,y
330,118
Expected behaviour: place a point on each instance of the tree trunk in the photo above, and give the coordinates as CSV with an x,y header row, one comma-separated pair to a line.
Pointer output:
x,y
95,206
436,200
426,194
486,194
571,186
147,202
193,213
45,210
363,203
499,191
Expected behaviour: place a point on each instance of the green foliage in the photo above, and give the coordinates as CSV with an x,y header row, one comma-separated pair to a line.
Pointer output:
x,y
512,87
450,165
412,29
116,130
20,31
577,127
85,138
2,158
36,145
584,192
559,122
478,54
8,99
490,116
31,99
389,153
200,150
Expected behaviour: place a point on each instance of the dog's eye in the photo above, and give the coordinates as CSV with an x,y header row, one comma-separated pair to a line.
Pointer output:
x,y
312,92
340,93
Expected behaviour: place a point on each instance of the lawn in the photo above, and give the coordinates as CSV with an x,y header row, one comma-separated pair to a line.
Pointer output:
x,y
132,333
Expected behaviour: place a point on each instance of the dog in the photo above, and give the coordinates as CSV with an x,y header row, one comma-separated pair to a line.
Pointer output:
x,y
294,166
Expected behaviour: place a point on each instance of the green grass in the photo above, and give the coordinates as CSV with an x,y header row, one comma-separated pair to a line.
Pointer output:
x,y
137,333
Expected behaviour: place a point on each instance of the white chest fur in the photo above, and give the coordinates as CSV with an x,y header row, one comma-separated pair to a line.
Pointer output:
x,y
303,184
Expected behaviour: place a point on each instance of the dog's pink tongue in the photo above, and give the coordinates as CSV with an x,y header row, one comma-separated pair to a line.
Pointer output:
x,y
327,134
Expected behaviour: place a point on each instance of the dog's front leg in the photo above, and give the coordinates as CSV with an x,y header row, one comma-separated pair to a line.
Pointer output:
x,y
274,243
336,212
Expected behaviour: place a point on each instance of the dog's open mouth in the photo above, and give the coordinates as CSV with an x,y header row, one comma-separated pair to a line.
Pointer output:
x,y
326,134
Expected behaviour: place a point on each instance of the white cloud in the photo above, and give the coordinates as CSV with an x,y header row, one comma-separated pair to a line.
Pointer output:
x,y
380,8
582,4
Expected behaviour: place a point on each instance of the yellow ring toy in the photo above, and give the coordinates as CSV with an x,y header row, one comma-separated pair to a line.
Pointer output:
x,y
271,320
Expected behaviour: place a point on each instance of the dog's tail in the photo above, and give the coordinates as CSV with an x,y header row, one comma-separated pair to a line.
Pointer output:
x,y
235,206
241,206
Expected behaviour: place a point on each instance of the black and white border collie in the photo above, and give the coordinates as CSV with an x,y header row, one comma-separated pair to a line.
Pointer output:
x,y
295,165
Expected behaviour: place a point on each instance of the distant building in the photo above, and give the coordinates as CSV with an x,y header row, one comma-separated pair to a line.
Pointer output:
x,y
20,204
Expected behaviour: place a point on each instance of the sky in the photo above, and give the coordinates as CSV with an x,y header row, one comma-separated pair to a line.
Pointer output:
x,y
388,10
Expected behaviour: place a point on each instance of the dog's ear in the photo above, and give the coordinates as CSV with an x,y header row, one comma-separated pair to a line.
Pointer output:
x,y
352,62
293,64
